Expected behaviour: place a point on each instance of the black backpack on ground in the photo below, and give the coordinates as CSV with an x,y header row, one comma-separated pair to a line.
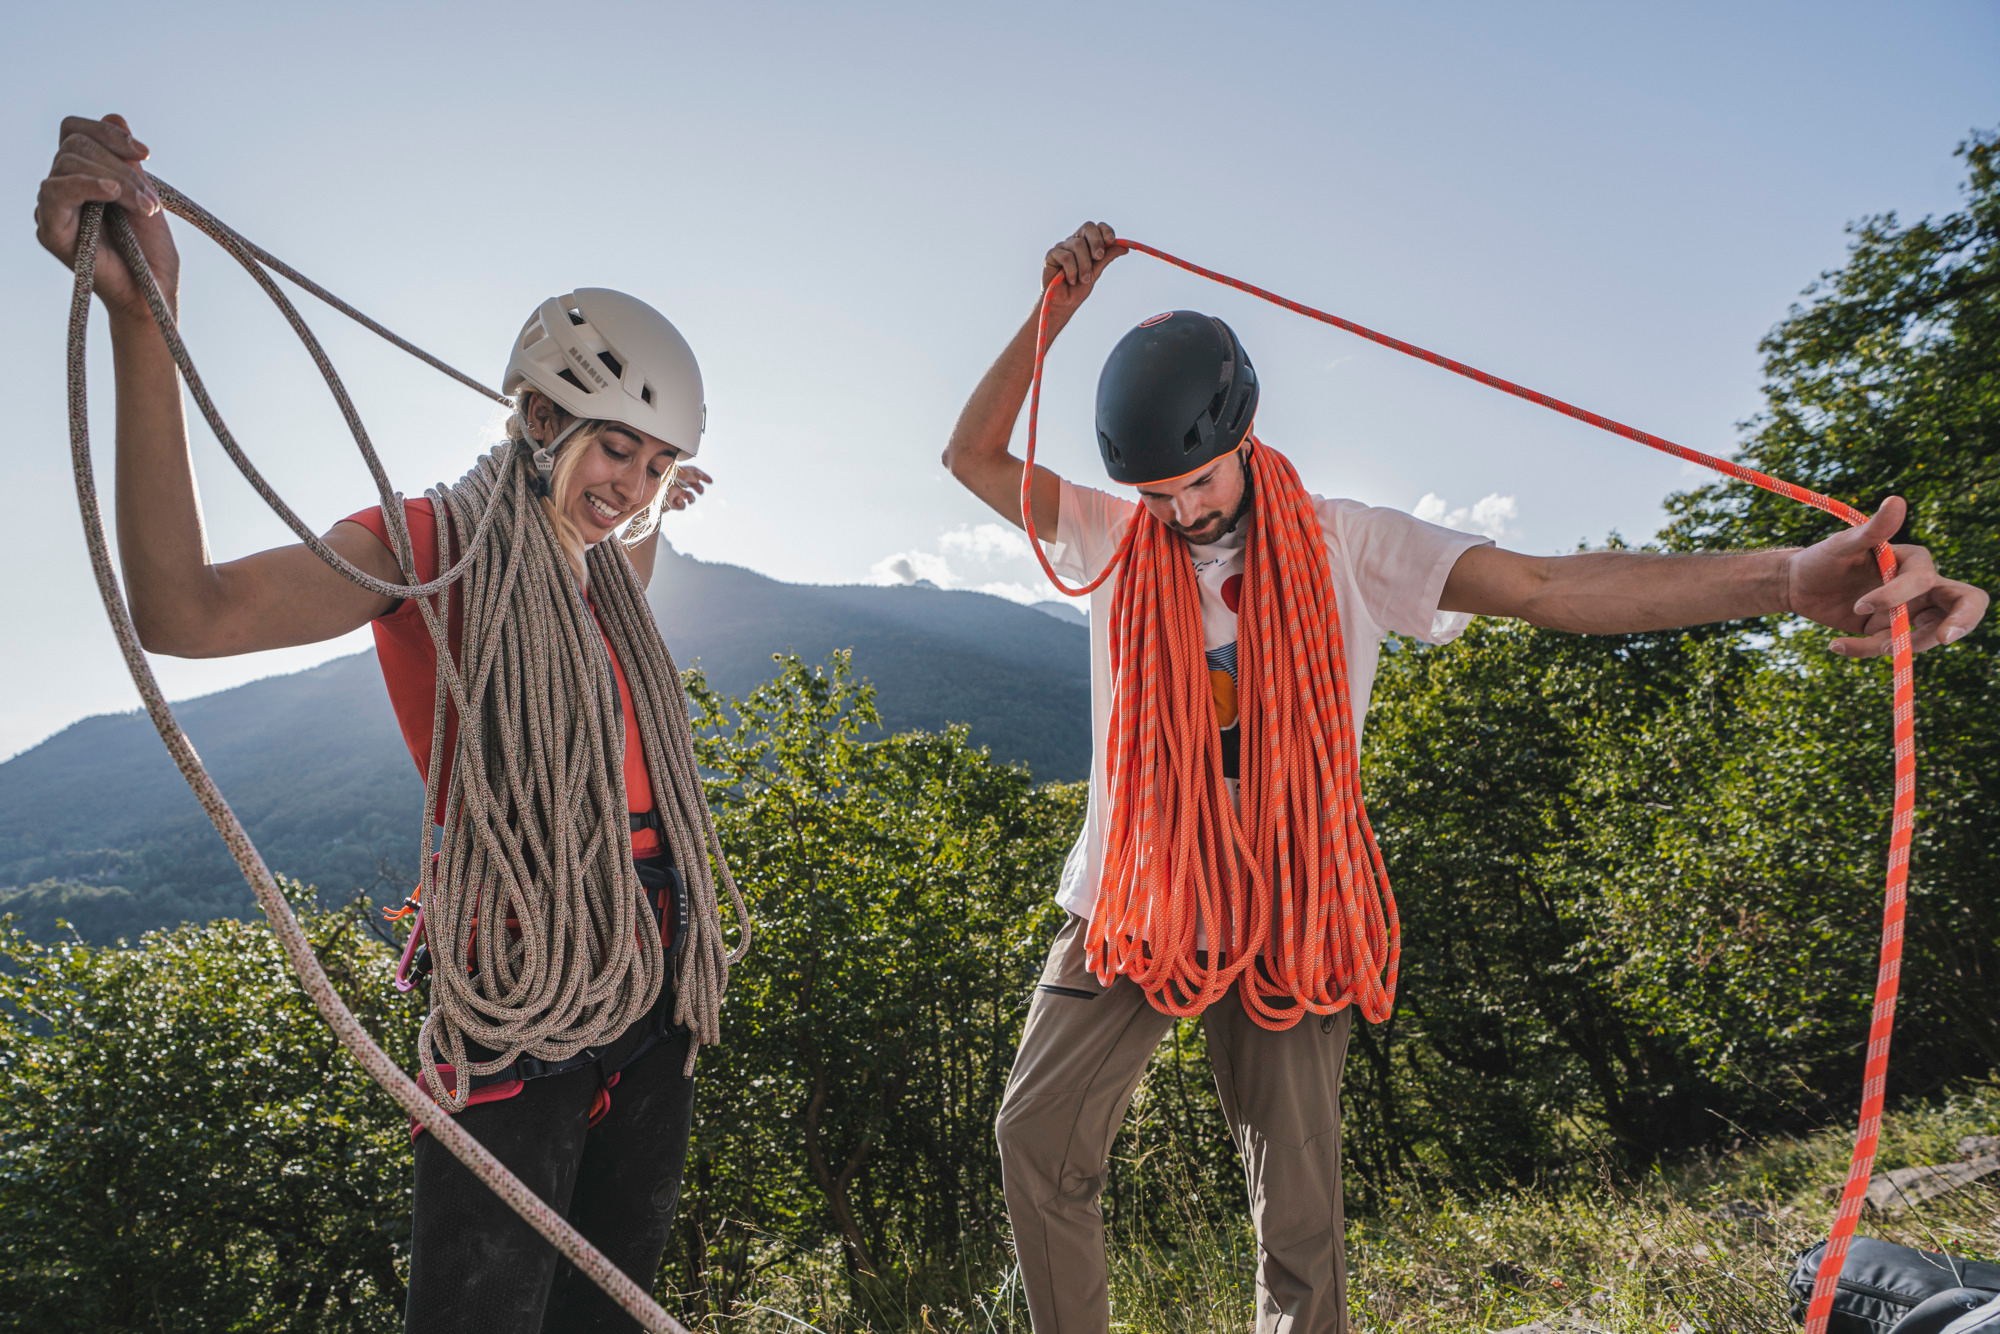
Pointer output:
x,y
1890,1289
1956,1311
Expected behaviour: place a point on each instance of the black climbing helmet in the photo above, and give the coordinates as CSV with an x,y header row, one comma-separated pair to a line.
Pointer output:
x,y
1177,393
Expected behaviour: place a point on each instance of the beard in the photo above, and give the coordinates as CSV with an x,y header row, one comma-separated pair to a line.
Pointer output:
x,y
1215,525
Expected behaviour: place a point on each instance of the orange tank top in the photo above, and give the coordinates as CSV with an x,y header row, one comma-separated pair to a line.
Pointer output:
x,y
408,658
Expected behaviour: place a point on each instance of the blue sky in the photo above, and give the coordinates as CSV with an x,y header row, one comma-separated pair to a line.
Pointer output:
x,y
844,210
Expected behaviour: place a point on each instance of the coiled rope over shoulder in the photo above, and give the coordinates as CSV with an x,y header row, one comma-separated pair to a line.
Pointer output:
x,y
534,803
1903,706
622,963
1292,895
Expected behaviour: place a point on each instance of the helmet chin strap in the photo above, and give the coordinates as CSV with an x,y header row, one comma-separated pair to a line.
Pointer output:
x,y
544,456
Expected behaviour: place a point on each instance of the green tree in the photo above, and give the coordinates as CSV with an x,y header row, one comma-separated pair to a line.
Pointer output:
x,y
1516,1039
1888,382
901,890
1641,875
183,1146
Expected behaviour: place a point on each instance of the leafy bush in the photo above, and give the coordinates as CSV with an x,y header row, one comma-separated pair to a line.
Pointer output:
x,y
901,894
182,1144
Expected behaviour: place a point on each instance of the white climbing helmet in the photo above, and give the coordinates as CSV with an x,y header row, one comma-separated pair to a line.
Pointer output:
x,y
605,356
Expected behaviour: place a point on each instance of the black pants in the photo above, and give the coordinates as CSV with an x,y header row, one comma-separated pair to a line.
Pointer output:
x,y
477,1268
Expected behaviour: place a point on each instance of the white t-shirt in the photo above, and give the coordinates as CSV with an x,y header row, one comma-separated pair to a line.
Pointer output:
x,y
1388,574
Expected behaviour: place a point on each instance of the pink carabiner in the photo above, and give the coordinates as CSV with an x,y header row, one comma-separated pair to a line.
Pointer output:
x,y
403,979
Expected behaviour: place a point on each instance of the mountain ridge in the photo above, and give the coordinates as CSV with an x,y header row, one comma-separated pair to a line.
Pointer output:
x,y
315,766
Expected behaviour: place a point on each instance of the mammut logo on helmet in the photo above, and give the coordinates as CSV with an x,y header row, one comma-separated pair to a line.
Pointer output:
x,y
582,363
1163,315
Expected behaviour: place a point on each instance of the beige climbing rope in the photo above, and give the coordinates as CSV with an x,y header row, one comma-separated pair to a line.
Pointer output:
x,y
535,798
534,804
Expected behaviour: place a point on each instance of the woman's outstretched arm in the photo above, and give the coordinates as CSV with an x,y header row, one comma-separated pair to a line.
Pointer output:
x,y
182,603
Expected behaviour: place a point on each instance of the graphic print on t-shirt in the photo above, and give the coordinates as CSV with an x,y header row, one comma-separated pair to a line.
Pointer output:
x,y
1219,571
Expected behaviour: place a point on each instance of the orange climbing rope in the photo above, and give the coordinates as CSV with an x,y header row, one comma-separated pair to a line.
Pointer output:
x,y
1292,897
1175,852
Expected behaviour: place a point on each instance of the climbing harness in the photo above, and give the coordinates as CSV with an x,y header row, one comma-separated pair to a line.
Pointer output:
x,y
666,892
492,504
1903,817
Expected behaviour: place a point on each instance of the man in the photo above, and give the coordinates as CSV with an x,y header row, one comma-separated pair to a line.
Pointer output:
x,y
1175,405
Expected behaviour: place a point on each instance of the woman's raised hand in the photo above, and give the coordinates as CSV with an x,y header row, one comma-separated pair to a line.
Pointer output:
x,y
99,160
688,484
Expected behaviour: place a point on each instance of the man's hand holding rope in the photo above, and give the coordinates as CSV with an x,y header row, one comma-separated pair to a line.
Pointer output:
x,y
1836,582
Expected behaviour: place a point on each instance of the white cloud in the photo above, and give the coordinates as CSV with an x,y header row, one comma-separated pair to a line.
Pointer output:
x,y
986,543
989,548
909,567
1488,516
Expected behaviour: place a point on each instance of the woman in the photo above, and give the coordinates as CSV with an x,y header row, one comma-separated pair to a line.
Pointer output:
x,y
560,787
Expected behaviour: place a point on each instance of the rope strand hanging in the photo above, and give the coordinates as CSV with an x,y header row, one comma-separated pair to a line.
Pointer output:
x,y
1142,562
555,990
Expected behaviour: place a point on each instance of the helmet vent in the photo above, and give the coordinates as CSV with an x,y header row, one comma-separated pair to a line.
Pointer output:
x,y
1191,441
646,393
611,363
1110,450
575,317
567,374
1226,374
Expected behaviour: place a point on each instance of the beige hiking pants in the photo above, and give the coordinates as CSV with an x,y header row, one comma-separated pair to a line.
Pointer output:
x,y
1082,1055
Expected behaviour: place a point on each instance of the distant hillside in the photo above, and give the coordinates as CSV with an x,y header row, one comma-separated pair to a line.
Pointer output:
x,y
1062,611
1019,678
312,763
97,826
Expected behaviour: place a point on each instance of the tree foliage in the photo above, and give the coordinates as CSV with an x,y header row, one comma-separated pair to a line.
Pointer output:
x,y
183,1145
901,894
1889,383
1641,877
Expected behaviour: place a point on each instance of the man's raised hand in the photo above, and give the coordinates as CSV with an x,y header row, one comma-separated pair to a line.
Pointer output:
x,y
1836,583
1079,260
98,160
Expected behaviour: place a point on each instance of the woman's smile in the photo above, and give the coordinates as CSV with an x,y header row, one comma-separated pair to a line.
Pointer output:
x,y
606,514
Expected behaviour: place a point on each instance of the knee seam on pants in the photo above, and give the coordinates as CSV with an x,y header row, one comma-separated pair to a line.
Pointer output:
x,y
1294,1245
1057,1167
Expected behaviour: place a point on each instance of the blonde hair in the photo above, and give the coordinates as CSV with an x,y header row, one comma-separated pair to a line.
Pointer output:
x,y
641,526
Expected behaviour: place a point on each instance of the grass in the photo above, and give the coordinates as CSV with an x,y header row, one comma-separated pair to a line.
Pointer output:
x,y
1706,1246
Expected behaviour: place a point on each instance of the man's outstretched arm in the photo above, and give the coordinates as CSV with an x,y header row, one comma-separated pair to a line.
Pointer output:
x,y
1834,582
977,453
